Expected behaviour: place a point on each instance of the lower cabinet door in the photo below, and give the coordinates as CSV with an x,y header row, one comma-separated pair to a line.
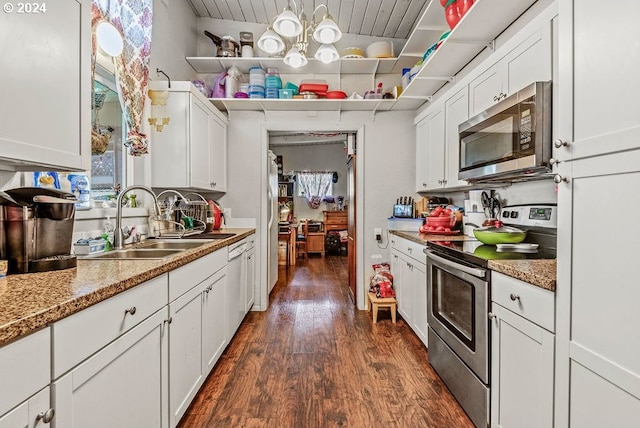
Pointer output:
x,y
123,385
33,412
419,284
185,351
250,283
522,372
398,284
213,334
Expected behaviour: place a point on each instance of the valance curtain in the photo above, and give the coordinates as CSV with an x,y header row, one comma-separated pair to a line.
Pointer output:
x,y
314,186
133,19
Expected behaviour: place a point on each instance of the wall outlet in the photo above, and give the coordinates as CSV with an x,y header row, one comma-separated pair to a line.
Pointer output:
x,y
377,232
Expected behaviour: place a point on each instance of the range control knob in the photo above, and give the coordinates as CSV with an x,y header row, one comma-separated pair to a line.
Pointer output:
x,y
514,214
505,214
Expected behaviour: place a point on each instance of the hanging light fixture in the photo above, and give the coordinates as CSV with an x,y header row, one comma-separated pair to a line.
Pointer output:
x,y
290,24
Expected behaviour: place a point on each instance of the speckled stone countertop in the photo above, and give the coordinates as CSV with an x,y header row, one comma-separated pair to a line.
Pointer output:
x,y
541,273
31,301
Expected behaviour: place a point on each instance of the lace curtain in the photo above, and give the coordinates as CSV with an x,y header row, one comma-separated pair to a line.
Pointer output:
x,y
133,19
314,186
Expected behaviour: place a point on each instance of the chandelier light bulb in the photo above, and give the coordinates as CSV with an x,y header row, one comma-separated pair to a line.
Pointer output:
x,y
327,31
270,42
295,58
327,53
287,24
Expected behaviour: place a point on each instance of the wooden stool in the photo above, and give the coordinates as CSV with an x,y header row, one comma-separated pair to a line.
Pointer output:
x,y
380,302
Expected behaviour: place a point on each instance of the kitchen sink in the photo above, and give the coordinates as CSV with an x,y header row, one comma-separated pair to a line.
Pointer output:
x,y
136,254
172,245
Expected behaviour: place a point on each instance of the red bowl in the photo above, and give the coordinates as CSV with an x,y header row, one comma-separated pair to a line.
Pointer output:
x,y
444,221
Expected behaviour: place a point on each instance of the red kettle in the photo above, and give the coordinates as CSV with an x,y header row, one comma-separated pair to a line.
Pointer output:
x,y
215,216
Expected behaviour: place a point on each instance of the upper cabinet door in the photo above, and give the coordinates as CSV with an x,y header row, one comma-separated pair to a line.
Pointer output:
x,y
45,103
456,112
200,129
597,85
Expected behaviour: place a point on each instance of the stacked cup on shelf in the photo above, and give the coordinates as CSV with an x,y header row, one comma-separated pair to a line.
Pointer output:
x,y
256,82
273,83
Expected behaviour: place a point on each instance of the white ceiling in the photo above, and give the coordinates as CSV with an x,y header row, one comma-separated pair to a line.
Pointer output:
x,y
380,18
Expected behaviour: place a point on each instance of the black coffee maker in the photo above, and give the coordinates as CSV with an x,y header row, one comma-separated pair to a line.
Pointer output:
x,y
36,227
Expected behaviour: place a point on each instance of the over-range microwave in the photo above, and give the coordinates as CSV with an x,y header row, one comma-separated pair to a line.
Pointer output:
x,y
509,140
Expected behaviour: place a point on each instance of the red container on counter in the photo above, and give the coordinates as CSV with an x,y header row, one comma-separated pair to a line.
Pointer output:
x,y
452,13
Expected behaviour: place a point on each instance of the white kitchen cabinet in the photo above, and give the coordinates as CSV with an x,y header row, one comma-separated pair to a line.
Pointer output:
x,y
123,385
197,293
250,294
597,303
45,111
214,340
430,148
408,267
456,111
598,101
29,371
529,62
33,412
397,268
185,351
522,354
190,152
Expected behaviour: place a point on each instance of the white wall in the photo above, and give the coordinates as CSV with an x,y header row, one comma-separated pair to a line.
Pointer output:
x,y
327,157
386,159
173,38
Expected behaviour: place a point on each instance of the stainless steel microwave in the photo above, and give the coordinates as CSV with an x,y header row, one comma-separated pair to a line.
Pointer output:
x,y
509,140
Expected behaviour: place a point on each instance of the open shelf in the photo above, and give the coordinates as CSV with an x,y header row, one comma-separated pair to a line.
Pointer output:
x,y
486,20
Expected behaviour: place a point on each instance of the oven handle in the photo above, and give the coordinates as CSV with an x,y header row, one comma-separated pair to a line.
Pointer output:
x,y
477,272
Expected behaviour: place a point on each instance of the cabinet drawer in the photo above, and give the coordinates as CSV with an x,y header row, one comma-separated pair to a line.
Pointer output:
x,y
409,248
533,303
336,227
185,277
26,368
81,335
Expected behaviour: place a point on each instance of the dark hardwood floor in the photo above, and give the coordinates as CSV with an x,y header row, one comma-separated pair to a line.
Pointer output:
x,y
314,360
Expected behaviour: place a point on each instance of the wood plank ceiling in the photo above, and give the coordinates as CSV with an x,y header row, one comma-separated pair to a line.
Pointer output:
x,y
380,18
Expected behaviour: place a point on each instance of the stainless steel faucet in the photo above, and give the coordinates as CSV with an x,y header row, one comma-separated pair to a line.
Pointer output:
x,y
119,234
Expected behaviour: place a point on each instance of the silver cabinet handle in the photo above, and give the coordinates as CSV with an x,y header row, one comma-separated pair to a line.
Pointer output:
x,y
409,249
130,311
208,289
514,297
492,316
560,143
46,417
169,320
560,179
424,184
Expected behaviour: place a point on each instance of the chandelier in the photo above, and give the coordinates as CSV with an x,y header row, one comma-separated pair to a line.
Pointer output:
x,y
291,24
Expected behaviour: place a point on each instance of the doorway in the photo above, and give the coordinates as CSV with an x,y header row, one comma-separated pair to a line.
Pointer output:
x,y
314,189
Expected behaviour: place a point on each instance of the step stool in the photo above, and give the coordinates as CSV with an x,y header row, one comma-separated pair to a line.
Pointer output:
x,y
382,302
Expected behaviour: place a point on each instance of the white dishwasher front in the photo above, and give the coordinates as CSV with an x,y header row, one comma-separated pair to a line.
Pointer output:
x,y
236,275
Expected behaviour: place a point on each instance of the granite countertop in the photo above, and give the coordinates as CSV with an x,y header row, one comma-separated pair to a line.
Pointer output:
x,y
541,273
31,301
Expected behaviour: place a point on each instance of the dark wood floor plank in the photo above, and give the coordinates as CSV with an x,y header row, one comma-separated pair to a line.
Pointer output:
x,y
314,360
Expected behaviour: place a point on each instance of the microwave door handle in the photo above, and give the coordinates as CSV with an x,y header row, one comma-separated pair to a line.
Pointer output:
x,y
479,273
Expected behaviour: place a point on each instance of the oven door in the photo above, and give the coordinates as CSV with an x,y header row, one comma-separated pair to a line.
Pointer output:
x,y
458,310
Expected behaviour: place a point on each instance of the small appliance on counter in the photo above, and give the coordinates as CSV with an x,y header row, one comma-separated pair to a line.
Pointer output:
x,y
36,225
215,216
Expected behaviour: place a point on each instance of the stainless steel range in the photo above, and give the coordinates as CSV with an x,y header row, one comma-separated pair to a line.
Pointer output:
x,y
459,287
